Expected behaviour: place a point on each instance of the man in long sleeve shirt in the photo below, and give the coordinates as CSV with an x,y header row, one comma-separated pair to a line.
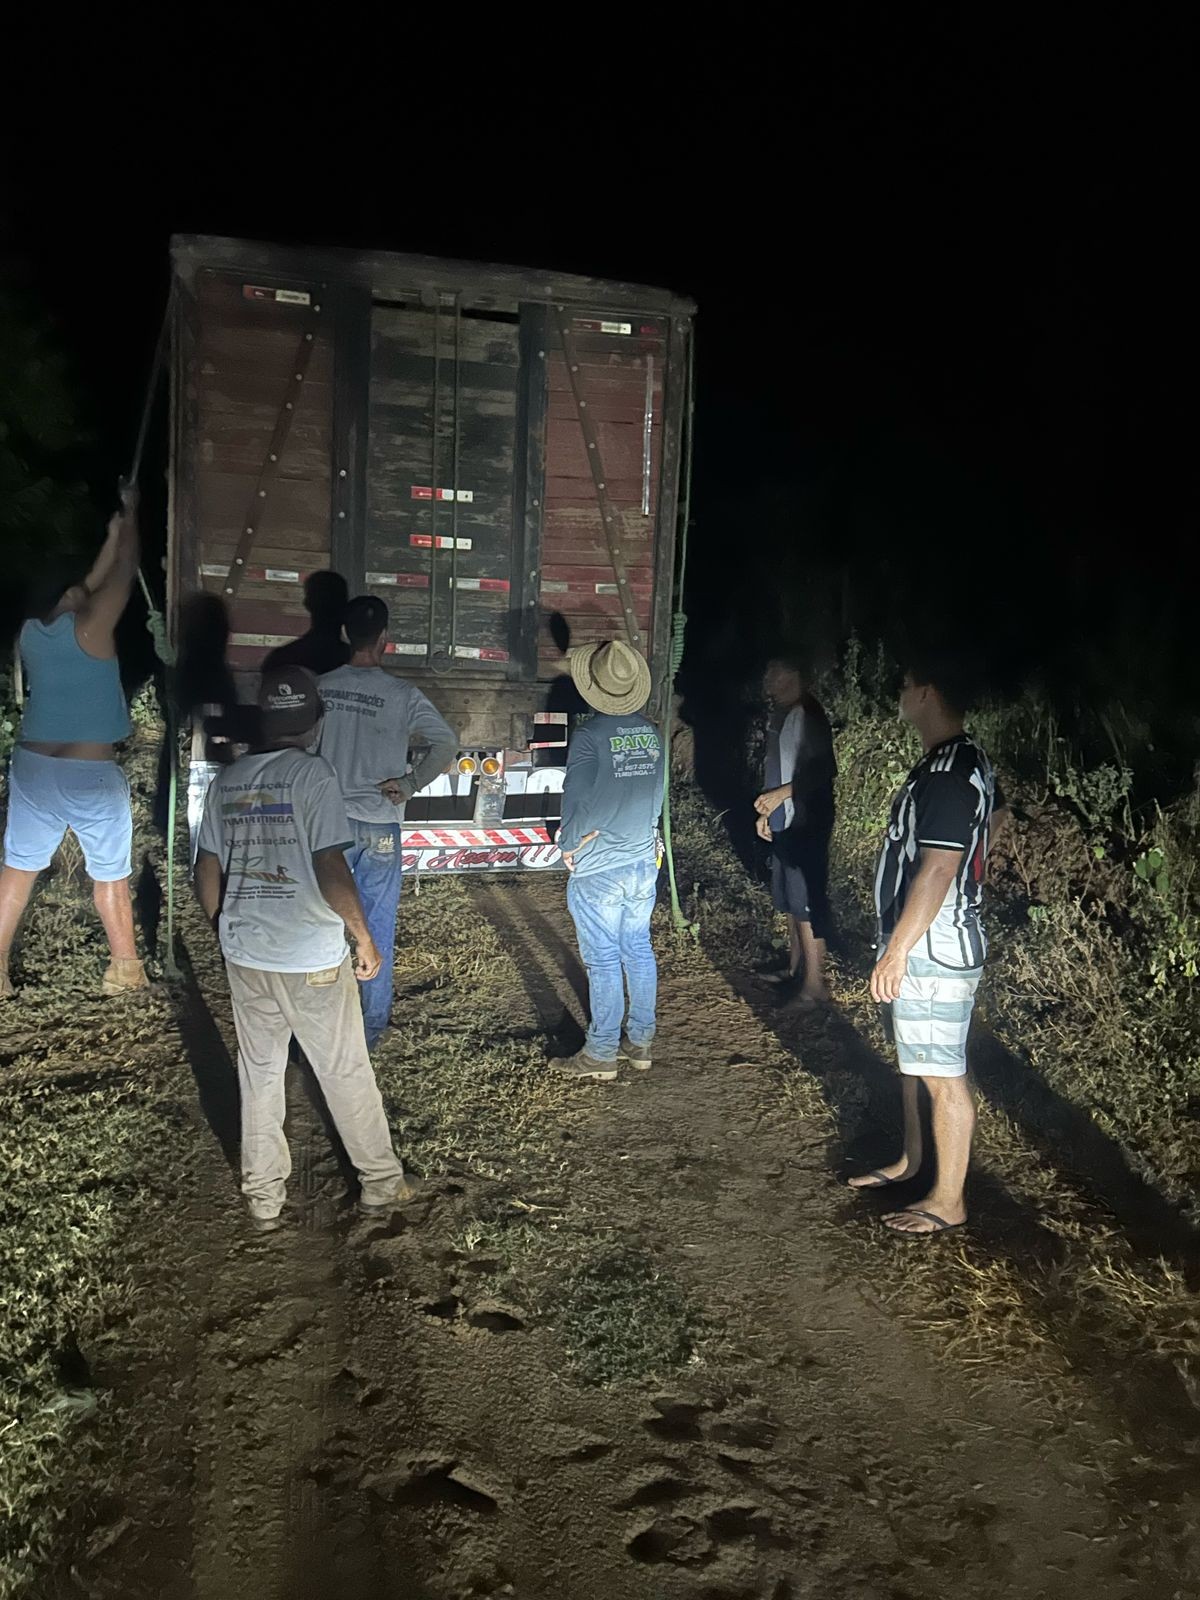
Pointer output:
x,y
612,799
371,718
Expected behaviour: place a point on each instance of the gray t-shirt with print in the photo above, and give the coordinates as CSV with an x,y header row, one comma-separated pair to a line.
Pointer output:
x,y
264,818
371,718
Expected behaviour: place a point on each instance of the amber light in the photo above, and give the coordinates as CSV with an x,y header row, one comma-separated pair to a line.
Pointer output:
x,y
466,764
489,766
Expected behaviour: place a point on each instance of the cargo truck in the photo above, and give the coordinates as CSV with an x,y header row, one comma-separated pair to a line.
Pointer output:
x,y
497,453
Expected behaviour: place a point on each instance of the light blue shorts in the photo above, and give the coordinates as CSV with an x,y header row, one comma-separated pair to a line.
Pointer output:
x,y
49,794
930,1021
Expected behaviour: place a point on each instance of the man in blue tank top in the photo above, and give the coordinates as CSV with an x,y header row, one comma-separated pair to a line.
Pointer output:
x,y
63,772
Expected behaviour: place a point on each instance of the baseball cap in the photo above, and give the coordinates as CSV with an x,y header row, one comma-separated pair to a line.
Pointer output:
x,y
290,701
366,618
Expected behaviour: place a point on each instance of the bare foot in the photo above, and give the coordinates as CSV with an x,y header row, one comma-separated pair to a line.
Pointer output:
x,y
7,992
809,999
882,1176
930,1215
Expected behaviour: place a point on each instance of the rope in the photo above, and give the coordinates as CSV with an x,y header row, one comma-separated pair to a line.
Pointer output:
x,y
157,627
678,635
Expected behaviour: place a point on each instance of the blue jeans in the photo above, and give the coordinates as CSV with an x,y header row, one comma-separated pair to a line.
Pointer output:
x,y
611,911
376,863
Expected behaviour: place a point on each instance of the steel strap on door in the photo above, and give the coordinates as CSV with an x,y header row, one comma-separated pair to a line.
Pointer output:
x,y
610,515
270,467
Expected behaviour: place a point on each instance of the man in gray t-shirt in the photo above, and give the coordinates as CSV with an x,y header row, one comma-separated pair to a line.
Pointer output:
x,y
371,718
271,863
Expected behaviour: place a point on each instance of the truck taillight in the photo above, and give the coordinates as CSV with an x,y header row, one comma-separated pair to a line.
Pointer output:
x,y
489,766
466,763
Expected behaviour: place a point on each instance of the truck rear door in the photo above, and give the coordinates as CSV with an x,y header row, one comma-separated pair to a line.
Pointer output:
x,y
440,520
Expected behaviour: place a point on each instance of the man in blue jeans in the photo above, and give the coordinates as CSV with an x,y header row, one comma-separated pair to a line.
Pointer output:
x,y
612,799
371,718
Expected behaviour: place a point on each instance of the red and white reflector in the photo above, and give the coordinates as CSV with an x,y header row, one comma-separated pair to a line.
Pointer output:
x,y
422,491
549,720
427,835
218,569
594,325
399,580
426,541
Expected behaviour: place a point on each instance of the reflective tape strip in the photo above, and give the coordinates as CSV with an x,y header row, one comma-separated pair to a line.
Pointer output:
x,y
492,585
400,580
422,491
266,640
425,541
426,837
213,569
407,650
470,653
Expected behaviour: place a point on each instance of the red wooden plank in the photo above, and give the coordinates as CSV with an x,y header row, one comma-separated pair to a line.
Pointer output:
x,y
232,443
620,443
294,515
265,350
220,553
565,572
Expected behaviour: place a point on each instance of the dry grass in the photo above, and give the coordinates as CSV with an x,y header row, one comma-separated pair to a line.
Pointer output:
x,y
1059,986
95,1149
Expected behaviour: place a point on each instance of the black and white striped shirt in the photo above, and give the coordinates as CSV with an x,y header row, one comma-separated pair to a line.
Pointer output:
x,y
945,803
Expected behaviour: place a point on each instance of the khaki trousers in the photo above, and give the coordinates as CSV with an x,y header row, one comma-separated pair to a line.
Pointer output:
x,y
322,1009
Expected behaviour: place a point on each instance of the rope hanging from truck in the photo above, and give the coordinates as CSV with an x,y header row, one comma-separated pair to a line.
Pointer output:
x,y
678,633
156,624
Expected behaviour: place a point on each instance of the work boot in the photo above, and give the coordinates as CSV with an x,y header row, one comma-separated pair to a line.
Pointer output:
x,y
381,1199
637,1055
124,973
584,1067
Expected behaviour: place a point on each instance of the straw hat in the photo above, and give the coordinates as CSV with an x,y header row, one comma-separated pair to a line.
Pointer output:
x,y
612,677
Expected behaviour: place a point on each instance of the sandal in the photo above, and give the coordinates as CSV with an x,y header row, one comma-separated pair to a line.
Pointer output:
x,y
940,1225
884,1182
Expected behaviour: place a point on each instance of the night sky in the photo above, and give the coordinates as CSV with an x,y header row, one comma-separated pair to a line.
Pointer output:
x,y
944,331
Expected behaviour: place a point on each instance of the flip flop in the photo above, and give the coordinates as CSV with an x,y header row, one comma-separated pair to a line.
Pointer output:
x,y
779,980
940,1225
884,1181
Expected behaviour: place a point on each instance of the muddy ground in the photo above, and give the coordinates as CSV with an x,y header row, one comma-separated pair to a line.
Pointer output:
x,y
630,1340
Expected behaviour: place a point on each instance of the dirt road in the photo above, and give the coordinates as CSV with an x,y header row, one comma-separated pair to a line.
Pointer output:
x,y
408,1409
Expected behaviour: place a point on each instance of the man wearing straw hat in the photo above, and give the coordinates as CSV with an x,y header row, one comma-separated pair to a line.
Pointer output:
x,y
612,799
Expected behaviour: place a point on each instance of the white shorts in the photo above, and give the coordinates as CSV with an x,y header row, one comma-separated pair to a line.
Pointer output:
x,y
930,1021
49,794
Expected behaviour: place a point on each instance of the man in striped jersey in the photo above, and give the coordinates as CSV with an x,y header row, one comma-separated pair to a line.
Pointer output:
x,y
931,950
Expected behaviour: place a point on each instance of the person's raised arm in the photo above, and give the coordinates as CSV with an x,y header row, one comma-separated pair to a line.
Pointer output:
x,y
340,895
96,621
